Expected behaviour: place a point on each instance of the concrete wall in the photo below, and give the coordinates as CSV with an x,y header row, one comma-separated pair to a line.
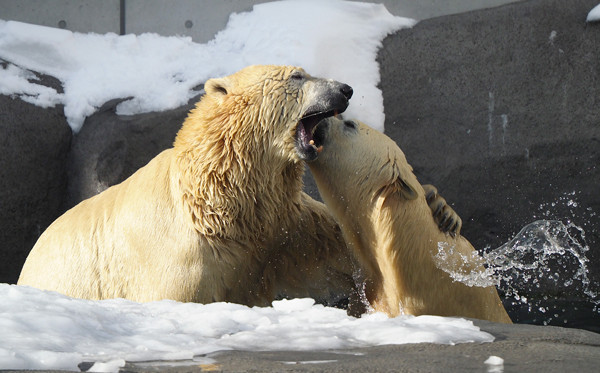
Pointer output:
x,y
83,15
200,19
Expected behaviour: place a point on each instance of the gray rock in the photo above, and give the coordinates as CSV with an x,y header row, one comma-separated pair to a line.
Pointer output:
x,y
110,147
33,180
500,109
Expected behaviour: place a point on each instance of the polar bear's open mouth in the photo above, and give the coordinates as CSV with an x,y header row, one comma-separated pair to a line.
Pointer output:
x,y
328,99
307,145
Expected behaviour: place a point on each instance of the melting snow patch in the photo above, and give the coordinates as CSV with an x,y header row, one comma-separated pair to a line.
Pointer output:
x,y
594,14
47,330
494,364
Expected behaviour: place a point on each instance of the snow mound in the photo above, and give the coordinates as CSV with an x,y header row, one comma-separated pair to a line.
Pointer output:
x,y
333,39
47,330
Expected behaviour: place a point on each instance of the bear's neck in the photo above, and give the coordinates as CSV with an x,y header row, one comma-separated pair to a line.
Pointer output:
x,y
400,256
408,278
235,188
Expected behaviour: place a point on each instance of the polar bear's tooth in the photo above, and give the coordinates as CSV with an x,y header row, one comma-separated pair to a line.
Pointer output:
x,y
312,142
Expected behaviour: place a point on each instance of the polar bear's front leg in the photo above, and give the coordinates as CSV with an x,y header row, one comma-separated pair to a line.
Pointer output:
x,y
312,260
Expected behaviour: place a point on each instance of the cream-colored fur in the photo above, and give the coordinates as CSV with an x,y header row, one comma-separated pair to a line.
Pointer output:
x,y
365,180
218,217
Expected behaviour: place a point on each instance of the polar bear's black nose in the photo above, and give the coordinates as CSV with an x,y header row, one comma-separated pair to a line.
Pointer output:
x,y
346,90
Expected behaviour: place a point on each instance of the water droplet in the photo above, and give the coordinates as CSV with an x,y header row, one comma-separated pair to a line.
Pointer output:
x,y
549,254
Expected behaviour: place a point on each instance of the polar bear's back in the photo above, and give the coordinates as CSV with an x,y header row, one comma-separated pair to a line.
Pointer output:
x,y
99,248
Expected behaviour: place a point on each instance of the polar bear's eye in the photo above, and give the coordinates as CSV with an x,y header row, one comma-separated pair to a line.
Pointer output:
x,y
297,75
350,124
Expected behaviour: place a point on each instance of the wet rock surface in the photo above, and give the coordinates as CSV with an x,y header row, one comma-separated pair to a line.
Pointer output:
x,y
499,110
523,348
110,147
33,177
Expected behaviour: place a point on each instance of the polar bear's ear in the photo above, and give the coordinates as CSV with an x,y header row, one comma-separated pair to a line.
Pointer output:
x,y
404,188
392,193
219,87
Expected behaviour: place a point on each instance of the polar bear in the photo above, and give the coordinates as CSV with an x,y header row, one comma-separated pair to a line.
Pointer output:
x,y
365,180
221,216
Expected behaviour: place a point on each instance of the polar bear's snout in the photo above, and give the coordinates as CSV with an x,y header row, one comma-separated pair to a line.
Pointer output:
x,y
326,98
346,90
330,96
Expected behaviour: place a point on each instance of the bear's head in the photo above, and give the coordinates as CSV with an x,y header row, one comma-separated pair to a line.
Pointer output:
x,y
274,108
239,151
359,167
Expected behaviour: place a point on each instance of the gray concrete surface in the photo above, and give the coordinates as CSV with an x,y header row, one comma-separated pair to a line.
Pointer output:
x,y
75,15
200,19
203,19
524,348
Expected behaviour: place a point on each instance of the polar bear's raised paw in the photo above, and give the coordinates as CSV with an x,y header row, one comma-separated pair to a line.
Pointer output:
x,y
445,217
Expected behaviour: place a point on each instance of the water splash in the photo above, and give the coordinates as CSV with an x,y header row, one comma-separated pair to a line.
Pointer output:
x,y
361,284
543,266
465,268
544,255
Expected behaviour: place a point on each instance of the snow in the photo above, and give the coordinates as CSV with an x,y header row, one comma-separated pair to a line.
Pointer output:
x,y
333,39
47,330
594,14
494,364
494,360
